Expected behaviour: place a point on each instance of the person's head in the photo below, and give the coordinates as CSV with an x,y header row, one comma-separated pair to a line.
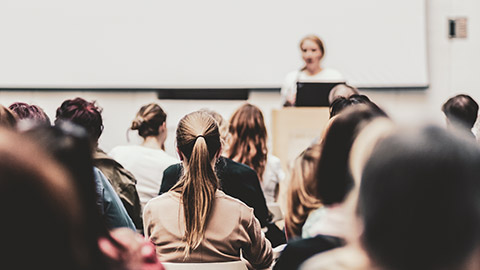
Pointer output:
x,y
199,145
221,122
301,198
248,138
30,112
461,110
8,119
83,113
341,90
312,49
334,179
42,205
150,121
420,200
340,103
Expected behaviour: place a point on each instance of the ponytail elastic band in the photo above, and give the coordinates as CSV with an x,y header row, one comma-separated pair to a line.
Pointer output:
x,y
199,136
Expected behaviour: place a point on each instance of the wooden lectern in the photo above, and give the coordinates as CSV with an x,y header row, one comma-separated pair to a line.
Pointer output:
x,y
294,129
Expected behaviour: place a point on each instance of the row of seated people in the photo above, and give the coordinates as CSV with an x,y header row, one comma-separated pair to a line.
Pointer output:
x,y
205,235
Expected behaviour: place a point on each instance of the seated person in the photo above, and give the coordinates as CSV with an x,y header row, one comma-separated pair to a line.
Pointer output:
x,y
461,113
236,179
195,221
88,115
148,160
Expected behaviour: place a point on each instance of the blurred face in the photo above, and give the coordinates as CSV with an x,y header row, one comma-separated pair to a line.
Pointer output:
x,y
311,53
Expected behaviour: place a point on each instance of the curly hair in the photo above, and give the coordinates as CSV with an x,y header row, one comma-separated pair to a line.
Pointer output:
x,y
248,141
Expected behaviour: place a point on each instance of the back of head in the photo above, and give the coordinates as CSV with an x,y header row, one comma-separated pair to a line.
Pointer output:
x,y
334,180
341,90
461,110
31,112
221,122
148,120
8,119
420,200
248,141
341,103
40,206
198,141
83,113
301,198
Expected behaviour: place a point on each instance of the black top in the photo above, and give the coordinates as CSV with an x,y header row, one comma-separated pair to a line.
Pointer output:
x,y
236,179
298,251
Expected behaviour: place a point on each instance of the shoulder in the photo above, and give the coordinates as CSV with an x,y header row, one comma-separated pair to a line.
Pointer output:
x,y
234,203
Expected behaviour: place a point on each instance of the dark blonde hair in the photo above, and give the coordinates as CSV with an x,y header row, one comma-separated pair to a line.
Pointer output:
x,y
198,140
301,194
248,141
149,118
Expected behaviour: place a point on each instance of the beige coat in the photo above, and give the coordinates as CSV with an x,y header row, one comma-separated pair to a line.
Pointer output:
x,y
232,227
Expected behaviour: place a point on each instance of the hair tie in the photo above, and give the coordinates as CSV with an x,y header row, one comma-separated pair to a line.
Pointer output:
x,y
198,136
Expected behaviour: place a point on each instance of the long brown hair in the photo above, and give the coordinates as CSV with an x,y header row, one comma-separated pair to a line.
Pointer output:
x,y
198,140
301,195
248,141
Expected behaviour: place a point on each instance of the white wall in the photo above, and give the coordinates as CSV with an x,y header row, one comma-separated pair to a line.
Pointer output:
x,y
452,67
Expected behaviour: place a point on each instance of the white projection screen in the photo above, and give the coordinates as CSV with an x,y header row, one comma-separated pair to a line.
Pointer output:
x,y
207,43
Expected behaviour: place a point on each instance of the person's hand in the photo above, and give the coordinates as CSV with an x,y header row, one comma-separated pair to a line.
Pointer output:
x,y
138,253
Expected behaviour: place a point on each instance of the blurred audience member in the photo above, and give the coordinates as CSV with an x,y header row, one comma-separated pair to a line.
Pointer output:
x,y
461,112
88,115
341,90
30,112
301,194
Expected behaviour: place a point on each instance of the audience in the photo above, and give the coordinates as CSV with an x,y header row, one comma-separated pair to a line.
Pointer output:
x,y
461,112
148,160
366,195
195,221
88,115
30,112
248,145
418,204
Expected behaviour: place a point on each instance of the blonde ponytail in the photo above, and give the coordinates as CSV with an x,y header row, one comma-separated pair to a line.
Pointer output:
x,y
198,140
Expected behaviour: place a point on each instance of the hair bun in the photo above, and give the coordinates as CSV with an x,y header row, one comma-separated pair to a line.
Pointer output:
x,y
137,123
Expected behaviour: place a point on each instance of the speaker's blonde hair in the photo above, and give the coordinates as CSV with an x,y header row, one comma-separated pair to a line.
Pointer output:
x,y
198,140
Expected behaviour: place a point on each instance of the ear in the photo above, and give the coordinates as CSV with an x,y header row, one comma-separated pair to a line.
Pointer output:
x,y
162,128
